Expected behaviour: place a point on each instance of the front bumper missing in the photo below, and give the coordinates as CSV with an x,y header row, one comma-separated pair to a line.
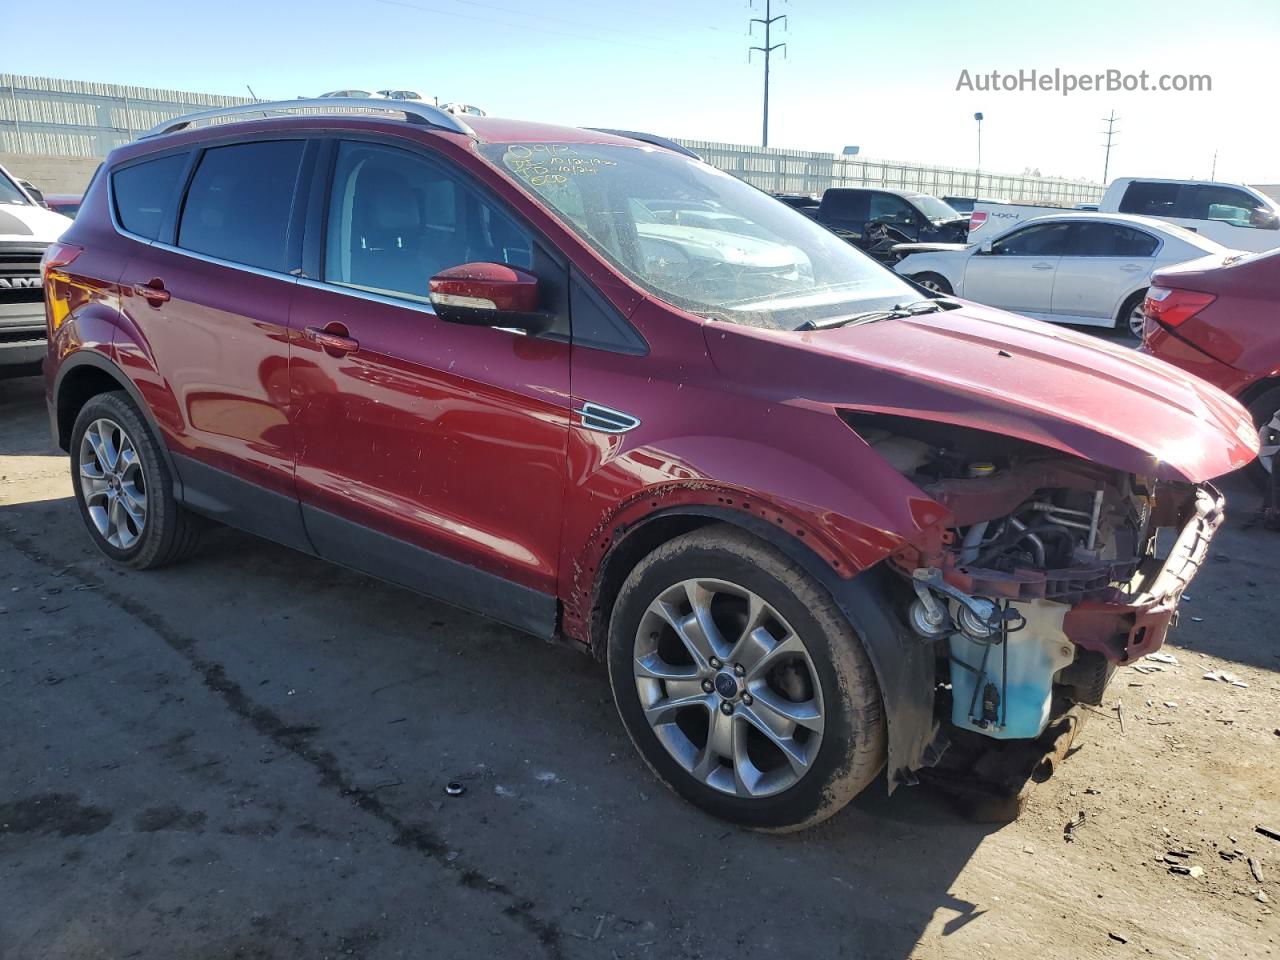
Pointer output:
x,y
1126,631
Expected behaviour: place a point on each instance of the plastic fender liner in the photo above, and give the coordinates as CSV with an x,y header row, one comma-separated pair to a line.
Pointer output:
x,y
904,663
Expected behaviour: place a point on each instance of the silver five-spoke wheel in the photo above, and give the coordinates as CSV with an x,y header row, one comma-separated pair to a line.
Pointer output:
x,y
112,483
728,688
1137,320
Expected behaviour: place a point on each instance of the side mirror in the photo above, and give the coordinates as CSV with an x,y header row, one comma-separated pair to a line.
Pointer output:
x,y
36,194
1264,219
488,295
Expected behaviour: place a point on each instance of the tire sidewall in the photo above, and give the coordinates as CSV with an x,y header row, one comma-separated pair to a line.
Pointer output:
x,y
1261,409
117,407
798,803
1127,308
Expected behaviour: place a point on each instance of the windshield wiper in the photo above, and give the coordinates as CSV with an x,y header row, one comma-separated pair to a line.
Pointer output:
x,y
871,316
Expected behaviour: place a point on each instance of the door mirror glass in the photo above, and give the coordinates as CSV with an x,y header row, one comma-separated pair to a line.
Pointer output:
x,y
488,295
36,194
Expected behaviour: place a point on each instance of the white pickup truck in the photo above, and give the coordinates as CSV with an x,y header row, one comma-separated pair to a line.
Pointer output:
x,y
26,228
1232,214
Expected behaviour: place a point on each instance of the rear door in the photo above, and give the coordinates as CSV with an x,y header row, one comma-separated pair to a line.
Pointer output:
x,y
1018,272
844,209
429,453
1103,263
209,299
1229,215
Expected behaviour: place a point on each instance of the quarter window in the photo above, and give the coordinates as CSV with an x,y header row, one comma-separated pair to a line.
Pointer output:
x,y
396,219
240,201
144,193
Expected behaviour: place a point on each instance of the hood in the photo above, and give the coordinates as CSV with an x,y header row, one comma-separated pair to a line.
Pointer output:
x,y
989,370
909,248
28,223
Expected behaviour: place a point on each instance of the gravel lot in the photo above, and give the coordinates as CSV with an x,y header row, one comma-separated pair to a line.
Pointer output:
x,y
245,756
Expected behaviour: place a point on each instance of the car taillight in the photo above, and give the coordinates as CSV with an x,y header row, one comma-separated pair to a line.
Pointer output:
x,y
976,220
1172,307
57,254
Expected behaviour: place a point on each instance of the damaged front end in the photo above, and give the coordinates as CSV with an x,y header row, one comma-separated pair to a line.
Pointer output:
x,y
1048,572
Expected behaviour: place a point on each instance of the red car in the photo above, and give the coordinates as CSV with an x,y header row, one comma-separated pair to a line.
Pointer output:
x,y
67,204
1221,321
585,384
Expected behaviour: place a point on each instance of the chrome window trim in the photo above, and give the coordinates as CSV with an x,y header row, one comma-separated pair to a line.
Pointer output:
x,y
218,261
601,419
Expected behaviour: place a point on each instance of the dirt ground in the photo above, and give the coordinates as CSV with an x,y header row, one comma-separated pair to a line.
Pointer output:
x,y
245,757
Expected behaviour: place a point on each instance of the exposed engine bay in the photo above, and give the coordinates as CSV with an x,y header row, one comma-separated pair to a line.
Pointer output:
x,y
1047,573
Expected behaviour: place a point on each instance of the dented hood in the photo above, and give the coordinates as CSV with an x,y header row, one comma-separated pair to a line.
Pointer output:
x,y
990,370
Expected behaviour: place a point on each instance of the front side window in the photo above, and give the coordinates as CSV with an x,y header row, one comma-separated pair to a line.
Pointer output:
x,y
1040,240
1223,203
1111,240
397,219
240,202
887,208
933,208
698,238
10,192
144,193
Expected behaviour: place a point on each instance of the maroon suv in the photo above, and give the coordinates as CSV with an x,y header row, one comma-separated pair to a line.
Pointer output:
x,y
585,384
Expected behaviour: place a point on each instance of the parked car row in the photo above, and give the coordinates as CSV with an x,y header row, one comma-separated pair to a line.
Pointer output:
x,y
817,524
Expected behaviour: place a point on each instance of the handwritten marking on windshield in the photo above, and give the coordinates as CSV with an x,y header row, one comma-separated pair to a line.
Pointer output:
x,y
551,163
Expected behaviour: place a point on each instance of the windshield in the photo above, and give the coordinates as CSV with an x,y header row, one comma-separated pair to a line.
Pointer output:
x,y
932,207
698,238
9,192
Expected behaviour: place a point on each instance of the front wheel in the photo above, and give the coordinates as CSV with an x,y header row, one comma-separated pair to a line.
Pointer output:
x,y
933,282
742,684
1265,411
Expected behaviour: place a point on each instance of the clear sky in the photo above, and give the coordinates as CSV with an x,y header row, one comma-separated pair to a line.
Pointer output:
x,y
879,75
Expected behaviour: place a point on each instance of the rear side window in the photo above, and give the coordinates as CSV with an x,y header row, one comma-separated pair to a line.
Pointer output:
x,y
239,203
144,193
1111,240
1150,199
846,204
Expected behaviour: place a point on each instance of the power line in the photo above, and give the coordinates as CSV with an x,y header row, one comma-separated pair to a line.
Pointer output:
x,y
1110,134
768,20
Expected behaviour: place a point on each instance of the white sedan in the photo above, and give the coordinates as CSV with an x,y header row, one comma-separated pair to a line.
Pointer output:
x,y
1091,269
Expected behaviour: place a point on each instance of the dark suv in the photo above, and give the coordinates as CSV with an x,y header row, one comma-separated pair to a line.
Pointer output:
x,y
587,385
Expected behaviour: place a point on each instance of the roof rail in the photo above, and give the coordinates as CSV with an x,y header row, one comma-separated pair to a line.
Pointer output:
x,y
652,138
423,114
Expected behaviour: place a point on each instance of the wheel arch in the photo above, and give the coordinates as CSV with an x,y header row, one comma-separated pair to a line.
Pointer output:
x,y
903,663
1259,387
1122,307
85,375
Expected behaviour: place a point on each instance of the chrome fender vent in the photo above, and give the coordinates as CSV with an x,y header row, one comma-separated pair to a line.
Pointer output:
x,y
592,416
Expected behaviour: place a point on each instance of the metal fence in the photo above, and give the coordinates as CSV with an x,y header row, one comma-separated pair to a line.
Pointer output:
x,y
71,118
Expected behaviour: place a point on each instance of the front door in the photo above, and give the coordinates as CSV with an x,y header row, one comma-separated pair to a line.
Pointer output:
x,y
430,453
1017,273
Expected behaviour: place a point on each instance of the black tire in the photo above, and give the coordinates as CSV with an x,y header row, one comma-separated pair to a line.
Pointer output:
x,y
1264,409
933,281
851,750
170,532
1132,302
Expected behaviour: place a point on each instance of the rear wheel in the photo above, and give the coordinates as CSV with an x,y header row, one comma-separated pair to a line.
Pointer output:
x,y
123,486
1265,411
742,684
933,282
1131,317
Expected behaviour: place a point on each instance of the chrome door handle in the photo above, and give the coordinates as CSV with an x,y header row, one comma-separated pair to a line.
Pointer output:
x,y
1042,266
332,341
1131,268
152,291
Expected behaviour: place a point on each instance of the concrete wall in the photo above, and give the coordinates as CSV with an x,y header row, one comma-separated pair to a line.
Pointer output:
x,y
51,174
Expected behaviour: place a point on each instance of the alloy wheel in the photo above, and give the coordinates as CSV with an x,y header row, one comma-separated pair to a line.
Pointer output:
x,y
1137,320
1269,442
728,688
112,483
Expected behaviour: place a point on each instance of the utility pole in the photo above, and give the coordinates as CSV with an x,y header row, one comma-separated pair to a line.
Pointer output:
x,y
768,20
1110,132
977,180
1213,174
